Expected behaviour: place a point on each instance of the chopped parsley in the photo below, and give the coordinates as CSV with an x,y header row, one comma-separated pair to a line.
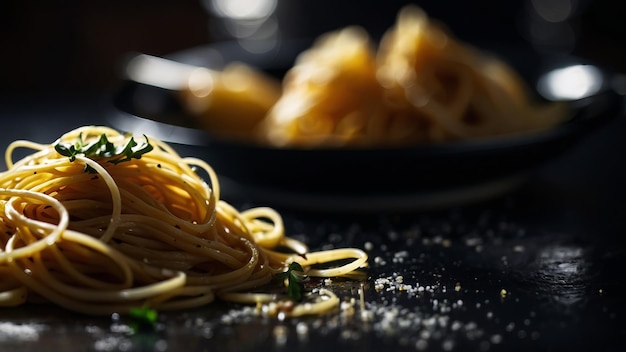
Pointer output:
x,y
104,148
294,276
143,317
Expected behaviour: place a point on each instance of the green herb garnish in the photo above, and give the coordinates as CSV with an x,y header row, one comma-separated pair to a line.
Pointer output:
x,y
103,148
143,316
294,275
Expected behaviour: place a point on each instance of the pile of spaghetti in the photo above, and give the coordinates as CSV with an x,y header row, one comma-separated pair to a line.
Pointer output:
x,y
418,85
101,222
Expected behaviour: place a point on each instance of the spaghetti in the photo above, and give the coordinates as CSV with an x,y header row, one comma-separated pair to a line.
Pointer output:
x,y
420,85
96,235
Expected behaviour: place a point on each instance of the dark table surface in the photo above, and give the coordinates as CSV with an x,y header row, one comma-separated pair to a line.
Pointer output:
x,y
540,268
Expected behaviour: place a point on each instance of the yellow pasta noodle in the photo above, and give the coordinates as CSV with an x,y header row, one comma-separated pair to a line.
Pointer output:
x,y
97,236
461,92
330,96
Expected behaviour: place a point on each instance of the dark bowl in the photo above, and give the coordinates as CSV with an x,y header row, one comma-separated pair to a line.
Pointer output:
x,y
417,176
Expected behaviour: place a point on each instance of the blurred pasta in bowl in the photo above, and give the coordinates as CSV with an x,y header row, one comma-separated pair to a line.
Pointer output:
x,y
417,111
418,85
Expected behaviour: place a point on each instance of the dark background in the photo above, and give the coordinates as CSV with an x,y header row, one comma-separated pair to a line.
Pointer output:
x,y
51,47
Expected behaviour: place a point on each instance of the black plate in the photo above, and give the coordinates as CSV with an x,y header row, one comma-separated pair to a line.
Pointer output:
x,y
425,175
